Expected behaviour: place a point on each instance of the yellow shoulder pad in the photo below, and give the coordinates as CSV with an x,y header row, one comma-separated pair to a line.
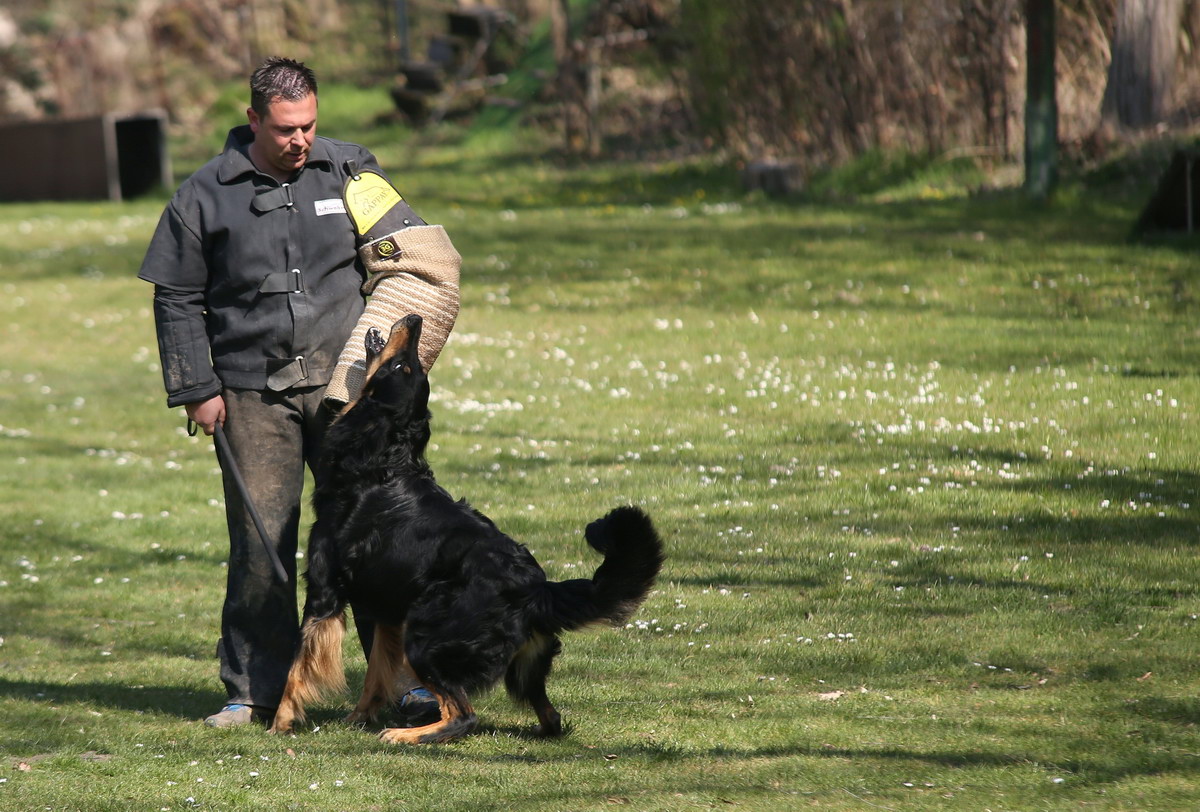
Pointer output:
x,y
368,198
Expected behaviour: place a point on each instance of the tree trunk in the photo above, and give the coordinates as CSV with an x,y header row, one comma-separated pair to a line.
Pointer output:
x,y
1144,45
1041,107
569,82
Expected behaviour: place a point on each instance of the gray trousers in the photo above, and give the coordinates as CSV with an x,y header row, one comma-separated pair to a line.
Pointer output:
x,y
273,436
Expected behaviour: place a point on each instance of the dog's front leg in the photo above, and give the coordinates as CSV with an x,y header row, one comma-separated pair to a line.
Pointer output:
x,y
288,713
317,668
389,675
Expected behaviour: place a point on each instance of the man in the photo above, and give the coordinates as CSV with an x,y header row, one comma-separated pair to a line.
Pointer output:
x,y
257,288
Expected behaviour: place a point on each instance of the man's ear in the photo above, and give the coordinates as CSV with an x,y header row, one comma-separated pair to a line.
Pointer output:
x,y
252,117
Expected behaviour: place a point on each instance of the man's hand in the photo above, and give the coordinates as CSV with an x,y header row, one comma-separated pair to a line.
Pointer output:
x,y
207,413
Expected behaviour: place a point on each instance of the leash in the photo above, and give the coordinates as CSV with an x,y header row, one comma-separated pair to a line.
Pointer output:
x,y
231,465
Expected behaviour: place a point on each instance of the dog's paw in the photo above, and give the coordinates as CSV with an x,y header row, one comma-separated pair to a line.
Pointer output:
x,y
359,719
549,731
399,735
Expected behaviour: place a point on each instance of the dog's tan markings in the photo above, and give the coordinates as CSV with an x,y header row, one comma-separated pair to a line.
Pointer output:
x,y
389,675
379,352
455,723
317,668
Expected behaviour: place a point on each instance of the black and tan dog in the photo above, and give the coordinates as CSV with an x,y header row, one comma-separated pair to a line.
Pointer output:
x,y
456,601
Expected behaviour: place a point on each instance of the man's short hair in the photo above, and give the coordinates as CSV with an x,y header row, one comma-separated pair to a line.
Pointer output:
x,y
280,78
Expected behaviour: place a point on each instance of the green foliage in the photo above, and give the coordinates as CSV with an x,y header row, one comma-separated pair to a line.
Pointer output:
x,y
896,175
924,464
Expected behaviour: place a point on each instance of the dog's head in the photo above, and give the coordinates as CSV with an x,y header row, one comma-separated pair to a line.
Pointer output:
x,y
395,378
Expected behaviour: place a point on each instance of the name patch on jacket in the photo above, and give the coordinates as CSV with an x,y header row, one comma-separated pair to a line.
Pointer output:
x,y
332,205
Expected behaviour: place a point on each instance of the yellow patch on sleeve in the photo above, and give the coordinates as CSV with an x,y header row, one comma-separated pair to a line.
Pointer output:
x,y
368,198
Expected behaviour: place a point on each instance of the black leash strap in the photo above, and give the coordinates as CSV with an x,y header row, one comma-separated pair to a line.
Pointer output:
x,y
231,465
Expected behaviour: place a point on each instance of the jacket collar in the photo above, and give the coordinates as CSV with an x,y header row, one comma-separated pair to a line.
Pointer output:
x,y
235,157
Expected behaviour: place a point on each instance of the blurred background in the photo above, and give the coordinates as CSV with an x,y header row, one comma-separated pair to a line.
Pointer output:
x,y
777,87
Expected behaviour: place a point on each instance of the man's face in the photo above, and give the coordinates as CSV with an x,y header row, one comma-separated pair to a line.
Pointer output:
x,y
284,136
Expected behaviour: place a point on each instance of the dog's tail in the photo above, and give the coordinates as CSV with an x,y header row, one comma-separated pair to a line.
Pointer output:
x,y
633,555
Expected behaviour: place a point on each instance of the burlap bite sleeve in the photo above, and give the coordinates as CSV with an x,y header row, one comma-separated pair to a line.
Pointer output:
x,y
414,270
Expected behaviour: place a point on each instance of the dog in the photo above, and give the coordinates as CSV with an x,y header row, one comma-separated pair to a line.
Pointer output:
x,y
457,603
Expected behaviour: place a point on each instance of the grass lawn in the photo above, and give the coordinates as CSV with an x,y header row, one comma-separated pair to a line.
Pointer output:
x,y
925,465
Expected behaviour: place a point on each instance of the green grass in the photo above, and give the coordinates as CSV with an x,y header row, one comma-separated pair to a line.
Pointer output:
x,y
925,465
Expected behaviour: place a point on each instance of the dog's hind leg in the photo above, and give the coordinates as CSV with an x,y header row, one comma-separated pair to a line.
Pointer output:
x,y
458,719
389,675
526,680
317,668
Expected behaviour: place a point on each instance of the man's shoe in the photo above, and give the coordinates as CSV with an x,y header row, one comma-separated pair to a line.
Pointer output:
x,y
233,715
418,707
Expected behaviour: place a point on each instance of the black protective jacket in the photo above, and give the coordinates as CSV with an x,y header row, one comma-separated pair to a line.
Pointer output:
x,y
257,283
